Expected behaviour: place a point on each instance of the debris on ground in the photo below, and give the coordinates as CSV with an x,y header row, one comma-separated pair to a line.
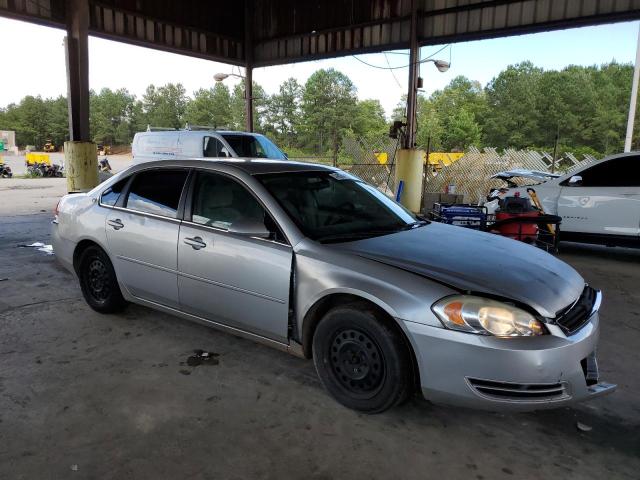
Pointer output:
x,y
74,467
202,357
583,427
41,247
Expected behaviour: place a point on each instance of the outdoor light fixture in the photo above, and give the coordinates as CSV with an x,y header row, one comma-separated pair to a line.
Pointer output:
x,y
441,65
219,77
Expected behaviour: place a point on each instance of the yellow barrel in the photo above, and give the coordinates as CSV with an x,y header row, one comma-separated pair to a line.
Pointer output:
x,y
409,168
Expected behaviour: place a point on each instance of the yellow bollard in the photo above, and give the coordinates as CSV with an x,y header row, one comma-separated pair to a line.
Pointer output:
x,y
81,166
409,170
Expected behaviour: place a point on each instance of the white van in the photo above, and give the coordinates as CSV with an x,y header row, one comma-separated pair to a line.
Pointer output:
x,y
168,144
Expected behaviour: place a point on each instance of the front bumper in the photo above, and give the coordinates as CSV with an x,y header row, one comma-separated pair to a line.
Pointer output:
x,y
493,373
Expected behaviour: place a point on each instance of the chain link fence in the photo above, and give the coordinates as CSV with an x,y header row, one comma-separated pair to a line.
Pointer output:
x,y
469,176
374,162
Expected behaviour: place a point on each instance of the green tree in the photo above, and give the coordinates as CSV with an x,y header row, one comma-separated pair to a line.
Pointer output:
x,y
511,98
165,106
430,129
210,107
238,108
461,132
111,112
369,121
283,113
328,107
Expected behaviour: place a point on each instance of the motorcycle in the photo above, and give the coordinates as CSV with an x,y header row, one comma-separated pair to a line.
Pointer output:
x,y
44,170
37,169
104,165
5,171
55,170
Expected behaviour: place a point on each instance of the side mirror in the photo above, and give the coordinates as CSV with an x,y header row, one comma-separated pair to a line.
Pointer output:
x,y
249,228
575,181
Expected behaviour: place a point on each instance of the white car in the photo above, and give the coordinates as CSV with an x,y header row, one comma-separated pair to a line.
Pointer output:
x,y
598,203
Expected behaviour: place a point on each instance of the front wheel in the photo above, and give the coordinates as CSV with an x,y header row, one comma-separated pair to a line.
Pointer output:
x,y
98,281
361,360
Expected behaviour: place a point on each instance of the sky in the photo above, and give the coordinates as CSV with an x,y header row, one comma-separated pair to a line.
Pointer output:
x,y
32,60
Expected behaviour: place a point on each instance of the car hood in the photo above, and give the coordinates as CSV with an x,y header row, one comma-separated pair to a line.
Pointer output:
x,y
530,174
477,262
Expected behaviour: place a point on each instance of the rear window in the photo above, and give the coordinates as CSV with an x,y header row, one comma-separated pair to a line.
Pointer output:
x,y
111,195
157,192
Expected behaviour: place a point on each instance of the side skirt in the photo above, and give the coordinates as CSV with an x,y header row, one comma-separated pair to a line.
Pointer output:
x,y
293,348
600,239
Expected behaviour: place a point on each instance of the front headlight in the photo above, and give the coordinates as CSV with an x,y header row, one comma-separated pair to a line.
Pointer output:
x,y
485,316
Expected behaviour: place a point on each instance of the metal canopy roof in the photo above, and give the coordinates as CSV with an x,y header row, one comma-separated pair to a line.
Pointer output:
x,y
283,31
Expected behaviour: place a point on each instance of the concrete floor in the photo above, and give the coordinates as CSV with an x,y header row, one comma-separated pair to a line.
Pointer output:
x,y
89,396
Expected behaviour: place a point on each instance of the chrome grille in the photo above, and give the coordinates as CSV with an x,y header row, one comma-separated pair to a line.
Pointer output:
x,y
518,391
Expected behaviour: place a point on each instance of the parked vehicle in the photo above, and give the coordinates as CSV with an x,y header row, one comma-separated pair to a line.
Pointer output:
x,y
104,165
203,142
49,147
45,170
37,169
104,149
55,170
5,171
314,261
598,203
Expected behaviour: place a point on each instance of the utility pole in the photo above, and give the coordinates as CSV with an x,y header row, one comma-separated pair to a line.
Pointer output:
x,y
634,97
248,56
555,150
410,136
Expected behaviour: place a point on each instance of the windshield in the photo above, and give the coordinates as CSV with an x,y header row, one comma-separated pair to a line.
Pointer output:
x,y
334,206
252,146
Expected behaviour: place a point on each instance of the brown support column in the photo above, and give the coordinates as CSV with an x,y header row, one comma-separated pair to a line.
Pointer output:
x,y
81,158
410,137
77,59
248,57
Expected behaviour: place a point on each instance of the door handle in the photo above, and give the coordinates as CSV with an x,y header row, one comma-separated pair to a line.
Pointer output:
x,y
195,242
116,224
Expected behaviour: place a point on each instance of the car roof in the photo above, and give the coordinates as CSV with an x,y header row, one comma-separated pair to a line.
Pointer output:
x,y
252,166
199,132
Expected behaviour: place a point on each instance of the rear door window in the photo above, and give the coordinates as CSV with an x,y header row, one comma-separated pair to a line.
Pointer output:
x,y
157,192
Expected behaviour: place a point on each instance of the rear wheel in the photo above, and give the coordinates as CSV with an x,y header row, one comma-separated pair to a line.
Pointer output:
x,y
361,360
98,281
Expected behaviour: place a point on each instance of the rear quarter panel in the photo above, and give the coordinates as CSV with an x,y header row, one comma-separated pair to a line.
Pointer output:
x,y
79,218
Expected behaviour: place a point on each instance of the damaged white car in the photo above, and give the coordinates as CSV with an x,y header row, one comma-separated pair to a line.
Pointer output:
x,y
598,203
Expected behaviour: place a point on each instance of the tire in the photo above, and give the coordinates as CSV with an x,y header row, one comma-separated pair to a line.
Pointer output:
x,y
363,362
98,281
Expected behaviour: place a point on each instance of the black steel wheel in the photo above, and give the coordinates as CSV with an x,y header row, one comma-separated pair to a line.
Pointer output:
x,y
357,362
98,281
361,359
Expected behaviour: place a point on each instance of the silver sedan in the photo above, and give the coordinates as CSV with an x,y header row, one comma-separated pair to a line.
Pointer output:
x,y
316,262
